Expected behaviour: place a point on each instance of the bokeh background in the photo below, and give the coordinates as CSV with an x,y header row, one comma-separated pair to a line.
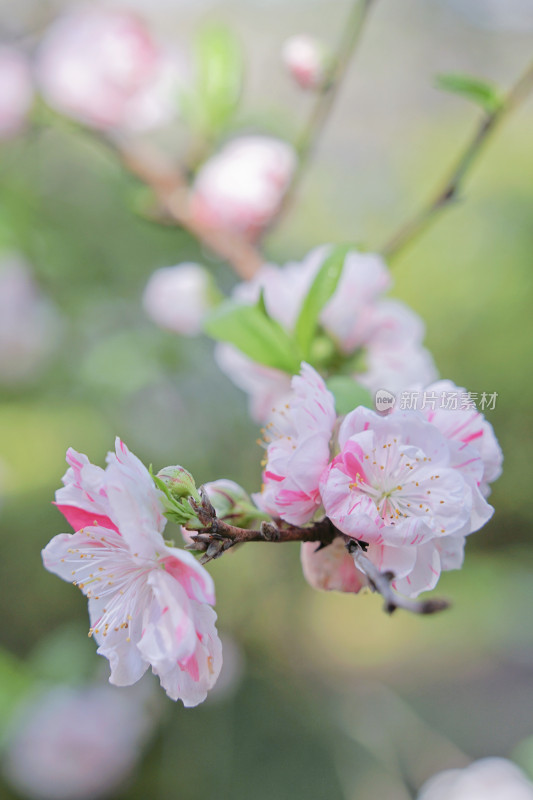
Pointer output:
x,y
324,695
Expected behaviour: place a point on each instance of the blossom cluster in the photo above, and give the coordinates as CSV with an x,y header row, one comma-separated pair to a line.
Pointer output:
x,y
378,339
409,485
149,602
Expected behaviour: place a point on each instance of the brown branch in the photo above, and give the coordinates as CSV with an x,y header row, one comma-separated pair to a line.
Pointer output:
x,y
452,184
217,536
172,194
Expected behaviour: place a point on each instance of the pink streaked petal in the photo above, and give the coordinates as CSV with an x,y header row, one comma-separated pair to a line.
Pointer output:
x,y
179,683
190,574
79,518
168,636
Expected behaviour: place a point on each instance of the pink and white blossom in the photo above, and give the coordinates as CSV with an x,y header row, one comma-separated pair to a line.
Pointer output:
x,y
298,439
331,568
240,188
381,336
102,67
487,779
394,485
306,60
149,604
178,298
16,91
76,743
449,408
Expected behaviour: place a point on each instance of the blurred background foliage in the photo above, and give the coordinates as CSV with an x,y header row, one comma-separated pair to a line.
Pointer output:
x,y
336,700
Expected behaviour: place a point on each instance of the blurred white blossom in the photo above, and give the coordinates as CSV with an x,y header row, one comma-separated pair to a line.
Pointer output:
x,y
241,187
488,779
72,743
178,298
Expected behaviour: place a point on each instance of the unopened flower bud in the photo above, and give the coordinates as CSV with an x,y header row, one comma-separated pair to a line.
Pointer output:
x,y
178,298
307,60
179,482
240,188
232,503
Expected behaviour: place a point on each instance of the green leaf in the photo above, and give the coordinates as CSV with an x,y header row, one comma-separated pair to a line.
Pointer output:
x,y
348,394
220,70
321,291
478,91
255,334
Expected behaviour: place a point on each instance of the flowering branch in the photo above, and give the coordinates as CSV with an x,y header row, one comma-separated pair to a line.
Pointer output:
x,y
170,189
452,185
217,536
308,138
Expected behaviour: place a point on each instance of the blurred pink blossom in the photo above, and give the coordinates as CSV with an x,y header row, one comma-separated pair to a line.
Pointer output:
x,y
487,779
306,59
102,67
71,743
178,298
149,604
331,568
240,188
16,91
383,335
29,324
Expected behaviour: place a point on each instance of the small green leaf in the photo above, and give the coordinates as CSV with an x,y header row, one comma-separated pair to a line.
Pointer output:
x,y
321,291
220,69
348,394
255,334
478,91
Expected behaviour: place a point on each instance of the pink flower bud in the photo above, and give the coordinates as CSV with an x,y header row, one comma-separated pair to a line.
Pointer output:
x,y
305,58
241,188
16,92
103,68
178,298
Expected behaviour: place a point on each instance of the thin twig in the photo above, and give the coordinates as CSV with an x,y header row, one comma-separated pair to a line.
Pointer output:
x,y
171,191
310,134
217,536
381,583
452,185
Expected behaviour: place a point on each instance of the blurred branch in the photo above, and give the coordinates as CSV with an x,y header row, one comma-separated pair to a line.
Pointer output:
x,y
217,536
450,189
310,134
381,583
172,194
